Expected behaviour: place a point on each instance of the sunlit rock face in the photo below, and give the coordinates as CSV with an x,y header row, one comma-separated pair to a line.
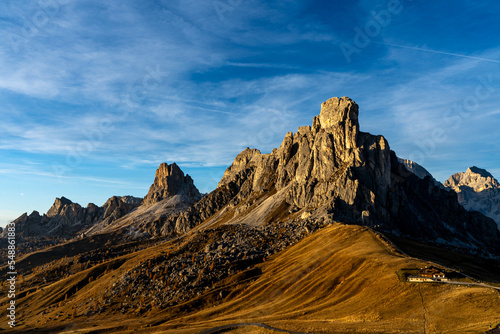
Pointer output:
x,y
350,175
477,190
170,181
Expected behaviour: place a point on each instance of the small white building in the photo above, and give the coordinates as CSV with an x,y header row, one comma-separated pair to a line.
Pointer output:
x,y
420,279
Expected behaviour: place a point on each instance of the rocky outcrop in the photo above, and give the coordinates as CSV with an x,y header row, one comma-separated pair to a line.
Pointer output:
x,y
170,181
62,206
171,193
477,190
130,200
199,212
117,207
331,163
28,225
65,219
350,175
223,251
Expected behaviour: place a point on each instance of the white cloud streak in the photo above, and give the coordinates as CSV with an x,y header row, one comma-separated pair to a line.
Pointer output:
x,y
438,52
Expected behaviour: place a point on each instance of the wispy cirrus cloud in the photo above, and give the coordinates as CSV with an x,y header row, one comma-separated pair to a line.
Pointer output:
x,y
14,170
441,112
153,127
440,52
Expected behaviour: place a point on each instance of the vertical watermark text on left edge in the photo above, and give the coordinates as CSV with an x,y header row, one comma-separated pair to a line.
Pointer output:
x,y
11,275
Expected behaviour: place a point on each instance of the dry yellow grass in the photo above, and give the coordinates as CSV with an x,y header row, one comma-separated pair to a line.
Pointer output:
x,y
341,279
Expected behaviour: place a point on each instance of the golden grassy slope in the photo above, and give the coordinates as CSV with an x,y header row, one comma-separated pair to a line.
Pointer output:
x,y
339,280
343,279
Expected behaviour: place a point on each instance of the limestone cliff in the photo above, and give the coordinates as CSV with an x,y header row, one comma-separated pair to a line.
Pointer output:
x,y
333,169
171,193
331,163
170,181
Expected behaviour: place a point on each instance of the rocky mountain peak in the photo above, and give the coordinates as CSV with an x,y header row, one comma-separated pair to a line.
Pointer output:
x,y
418,170
60,204
322,164
131,200
34,214
477,190
339,116
66,219
338,111
240,162
481,176
480,171
63,200
165,172
477,179
415,168
170,181
333,170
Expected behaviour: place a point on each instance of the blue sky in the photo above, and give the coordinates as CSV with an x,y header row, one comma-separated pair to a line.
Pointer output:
x,y
95,95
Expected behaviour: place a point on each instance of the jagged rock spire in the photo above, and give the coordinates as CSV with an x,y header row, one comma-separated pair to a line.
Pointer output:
x,y
340,115
170,181
59,205
354,175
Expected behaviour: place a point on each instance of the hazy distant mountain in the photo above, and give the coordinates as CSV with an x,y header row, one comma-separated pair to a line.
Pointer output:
x,y
415,168
418,170
67,220
477,190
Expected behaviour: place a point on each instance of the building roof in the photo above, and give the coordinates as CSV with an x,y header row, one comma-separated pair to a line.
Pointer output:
x,y
431,271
